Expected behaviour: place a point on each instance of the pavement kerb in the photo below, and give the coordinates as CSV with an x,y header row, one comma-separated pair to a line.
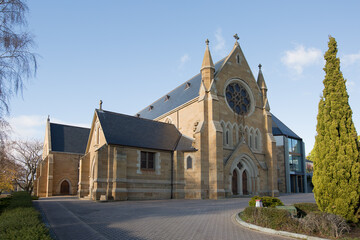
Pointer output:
x,y
275,232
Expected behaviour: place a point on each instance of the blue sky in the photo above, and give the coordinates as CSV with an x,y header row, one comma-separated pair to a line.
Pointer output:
x,y
129,53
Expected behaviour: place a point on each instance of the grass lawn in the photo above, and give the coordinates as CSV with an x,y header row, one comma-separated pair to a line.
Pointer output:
x,y
19,219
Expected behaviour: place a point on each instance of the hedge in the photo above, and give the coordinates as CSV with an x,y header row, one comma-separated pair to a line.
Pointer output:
x,y
20,220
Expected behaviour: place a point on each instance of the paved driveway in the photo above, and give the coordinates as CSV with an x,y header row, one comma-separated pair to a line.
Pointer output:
x,y
70,218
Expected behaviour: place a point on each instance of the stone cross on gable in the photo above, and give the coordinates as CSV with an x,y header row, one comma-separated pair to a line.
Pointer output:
x,y
236,37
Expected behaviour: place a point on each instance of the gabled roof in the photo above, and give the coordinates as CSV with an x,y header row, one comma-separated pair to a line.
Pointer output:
x,y
280,129
125,130
175,98
69,139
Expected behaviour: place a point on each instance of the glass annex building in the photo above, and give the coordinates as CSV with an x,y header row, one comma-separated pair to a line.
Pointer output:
x,y
293,159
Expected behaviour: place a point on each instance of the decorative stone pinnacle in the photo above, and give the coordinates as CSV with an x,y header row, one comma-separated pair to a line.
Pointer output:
x,y
260,66
236,37
207,42
100,103
48,118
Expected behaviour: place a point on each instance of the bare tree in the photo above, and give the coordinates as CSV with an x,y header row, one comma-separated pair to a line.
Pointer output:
x,y
7,170
17,62
28,154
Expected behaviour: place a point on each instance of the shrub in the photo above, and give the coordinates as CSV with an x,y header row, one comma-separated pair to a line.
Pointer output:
x,y
4,202
270,218
19,220
304,209
267,201
326,224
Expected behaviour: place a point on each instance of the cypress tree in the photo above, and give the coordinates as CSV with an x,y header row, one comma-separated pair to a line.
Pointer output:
x,y
336,176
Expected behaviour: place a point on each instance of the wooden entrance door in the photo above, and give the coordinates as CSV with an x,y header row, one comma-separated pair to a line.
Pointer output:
x,y
245,183
234,183
65,188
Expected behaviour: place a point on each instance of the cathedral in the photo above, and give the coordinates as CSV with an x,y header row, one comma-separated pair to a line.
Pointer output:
x,y
213,136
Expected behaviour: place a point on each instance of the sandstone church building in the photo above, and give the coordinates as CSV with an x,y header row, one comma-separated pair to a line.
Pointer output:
x,y
212,137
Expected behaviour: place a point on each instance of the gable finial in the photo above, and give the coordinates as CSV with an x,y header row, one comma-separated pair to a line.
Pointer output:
x,y
100,103
207,42
48,119
260,66
236,37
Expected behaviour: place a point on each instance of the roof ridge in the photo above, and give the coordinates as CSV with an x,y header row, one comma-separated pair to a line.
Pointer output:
x,y
122,114
296,136
67,125
176,88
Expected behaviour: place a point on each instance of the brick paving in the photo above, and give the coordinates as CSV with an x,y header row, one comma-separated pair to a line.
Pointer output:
x,y
71,218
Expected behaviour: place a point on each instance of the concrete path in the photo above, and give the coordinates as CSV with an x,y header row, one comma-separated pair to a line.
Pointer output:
x,y
70,218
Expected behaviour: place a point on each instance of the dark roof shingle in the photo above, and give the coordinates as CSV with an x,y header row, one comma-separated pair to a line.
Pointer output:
x,y
176,98
69,139
279,128
125,130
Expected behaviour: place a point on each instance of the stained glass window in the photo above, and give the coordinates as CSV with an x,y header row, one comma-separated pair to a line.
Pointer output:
x,y
238,98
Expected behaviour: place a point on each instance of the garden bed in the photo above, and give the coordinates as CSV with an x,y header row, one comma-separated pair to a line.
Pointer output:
x,y
308,220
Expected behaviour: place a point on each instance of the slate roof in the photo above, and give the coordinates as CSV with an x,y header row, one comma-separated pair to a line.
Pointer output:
x,y
177,97
125,130
69,139
280,129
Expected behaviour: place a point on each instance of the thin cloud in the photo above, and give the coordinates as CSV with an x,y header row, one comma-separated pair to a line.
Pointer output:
x,y
183,60
301,57
220,43
350,59
28,126
33,126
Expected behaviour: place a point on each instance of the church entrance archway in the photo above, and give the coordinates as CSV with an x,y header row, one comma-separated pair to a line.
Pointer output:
x,y
234,183
245,183
243,176
65,188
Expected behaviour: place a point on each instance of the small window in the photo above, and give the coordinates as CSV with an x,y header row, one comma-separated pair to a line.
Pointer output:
x,y
150,108
188,162
147,160
187,85
98,136
237,59
251,141
227,137
256,142
167,97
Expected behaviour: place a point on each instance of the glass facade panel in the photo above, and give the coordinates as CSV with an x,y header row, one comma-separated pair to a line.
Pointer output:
x,y
295,157
295,163
294,146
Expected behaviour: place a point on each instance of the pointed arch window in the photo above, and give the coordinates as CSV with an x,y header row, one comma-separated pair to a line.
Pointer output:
x,y
251,139
224,133
238,59
257,140
227,137
189,163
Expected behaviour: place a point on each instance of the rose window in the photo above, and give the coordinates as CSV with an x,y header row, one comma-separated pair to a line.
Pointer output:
x,y
238,98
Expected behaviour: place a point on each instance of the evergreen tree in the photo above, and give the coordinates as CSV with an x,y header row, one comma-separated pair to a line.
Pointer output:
x,y
336,176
